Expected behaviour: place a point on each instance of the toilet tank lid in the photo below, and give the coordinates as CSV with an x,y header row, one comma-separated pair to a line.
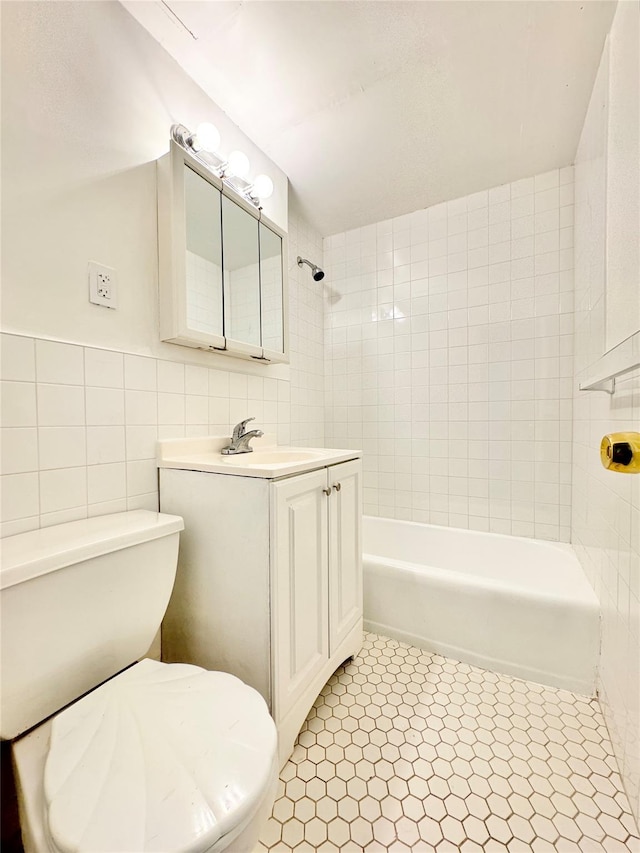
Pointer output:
x,y
29,555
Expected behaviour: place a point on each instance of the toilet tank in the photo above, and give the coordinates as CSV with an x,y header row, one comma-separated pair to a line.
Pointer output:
x,y
78,603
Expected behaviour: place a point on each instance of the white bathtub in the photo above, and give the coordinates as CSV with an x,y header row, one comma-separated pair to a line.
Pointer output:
x,y
517,606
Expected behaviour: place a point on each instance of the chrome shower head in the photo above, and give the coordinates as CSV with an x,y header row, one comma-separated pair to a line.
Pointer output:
x,y
316,271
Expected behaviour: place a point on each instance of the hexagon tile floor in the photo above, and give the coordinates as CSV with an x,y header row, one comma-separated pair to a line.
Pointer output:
x,y
406,750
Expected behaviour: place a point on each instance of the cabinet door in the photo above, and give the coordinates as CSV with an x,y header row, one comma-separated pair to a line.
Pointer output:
x,y
189,251
300,585
273,293
241,274
203,260
345,550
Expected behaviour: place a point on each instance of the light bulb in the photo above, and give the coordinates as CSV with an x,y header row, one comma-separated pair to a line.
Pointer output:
x,y
263,186
208,137
239,164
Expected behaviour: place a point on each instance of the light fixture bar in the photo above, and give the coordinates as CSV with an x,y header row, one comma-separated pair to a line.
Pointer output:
x,y
182,135
221,168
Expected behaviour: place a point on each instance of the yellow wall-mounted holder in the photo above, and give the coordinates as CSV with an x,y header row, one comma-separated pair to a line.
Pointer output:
x,y
620,451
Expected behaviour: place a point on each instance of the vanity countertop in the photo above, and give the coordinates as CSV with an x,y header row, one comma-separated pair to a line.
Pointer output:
x,y
267,460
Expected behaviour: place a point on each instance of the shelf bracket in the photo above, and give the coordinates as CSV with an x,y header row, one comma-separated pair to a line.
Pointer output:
x,y
619,361
606,385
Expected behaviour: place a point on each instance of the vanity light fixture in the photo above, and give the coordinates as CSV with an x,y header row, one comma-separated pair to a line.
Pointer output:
x,y
206,138
204,144
263,186
238,164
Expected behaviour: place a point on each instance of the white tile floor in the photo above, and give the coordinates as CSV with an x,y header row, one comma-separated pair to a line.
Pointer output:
x,y
406,750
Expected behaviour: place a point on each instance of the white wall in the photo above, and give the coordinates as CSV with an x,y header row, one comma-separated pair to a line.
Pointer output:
x,y
605,527
82,124
88,99
306,335
449,358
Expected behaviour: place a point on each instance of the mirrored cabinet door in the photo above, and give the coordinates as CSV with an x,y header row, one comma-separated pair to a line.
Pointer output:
x,y
203,261
240,253
271,283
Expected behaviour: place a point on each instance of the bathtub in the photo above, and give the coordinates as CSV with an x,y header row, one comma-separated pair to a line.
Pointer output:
x,y
517,606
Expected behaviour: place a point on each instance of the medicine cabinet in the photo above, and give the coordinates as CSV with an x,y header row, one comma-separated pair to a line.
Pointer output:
x,y
223,264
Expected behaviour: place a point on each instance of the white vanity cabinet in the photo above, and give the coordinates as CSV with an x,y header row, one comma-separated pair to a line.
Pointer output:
x,y
269,581
317,577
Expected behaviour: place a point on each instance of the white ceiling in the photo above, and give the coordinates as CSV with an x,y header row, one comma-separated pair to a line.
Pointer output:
x,y
375,109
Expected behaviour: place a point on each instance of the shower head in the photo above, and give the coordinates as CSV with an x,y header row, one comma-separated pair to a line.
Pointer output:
x,y
316,272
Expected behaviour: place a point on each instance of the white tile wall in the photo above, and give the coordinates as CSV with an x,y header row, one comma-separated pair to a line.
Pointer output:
x,y
204,294
449,358
306,336
242,304
71,449
80,424
271,302
605,528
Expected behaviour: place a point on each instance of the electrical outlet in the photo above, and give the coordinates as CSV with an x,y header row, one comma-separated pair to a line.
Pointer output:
x,y
102,285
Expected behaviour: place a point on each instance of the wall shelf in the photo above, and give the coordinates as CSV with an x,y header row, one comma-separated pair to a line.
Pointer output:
x,y
620,360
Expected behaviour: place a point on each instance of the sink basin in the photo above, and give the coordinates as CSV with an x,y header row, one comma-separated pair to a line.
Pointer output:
x,y
267,460
270,457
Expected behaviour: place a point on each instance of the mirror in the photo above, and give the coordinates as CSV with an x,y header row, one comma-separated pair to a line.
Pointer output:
x,y
241,274
271,284
203,263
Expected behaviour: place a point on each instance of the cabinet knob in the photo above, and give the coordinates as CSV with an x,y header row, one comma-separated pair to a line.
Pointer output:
x,y
337,486
327,492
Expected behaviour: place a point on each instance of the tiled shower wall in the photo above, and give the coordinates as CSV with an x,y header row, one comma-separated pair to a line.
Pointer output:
x,y
80,425
449,358
606,536
605,529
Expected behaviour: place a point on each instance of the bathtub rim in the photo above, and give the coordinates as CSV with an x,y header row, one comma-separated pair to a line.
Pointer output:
x,y
447,577
566,547
585,594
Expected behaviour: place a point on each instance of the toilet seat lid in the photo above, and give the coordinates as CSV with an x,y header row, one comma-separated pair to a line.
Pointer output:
x,y
164,757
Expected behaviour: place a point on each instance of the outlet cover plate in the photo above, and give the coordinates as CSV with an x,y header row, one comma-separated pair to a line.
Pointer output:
x,y
103,285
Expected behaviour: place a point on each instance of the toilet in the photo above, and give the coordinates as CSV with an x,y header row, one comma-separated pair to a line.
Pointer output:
x,y
111,754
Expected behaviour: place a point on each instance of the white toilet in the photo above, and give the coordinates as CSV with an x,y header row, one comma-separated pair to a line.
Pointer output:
x,y
161,757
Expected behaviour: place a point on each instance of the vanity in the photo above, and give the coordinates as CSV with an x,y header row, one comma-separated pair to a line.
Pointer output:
x,y
269,581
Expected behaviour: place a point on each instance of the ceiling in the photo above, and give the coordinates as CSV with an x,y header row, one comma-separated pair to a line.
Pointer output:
x,y
375,109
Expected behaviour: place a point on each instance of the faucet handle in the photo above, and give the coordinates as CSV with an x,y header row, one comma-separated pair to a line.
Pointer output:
x,y
238,430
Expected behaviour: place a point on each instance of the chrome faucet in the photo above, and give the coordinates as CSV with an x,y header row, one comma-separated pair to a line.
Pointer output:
x,y
241,438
